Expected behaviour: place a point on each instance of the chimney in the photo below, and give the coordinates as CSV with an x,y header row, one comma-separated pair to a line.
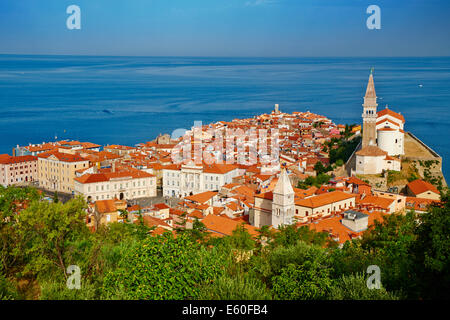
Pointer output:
x,y
114,166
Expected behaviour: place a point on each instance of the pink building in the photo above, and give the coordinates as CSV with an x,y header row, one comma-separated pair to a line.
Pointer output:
x,y
17,170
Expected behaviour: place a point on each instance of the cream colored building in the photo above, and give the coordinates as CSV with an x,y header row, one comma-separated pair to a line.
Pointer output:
x,y
56,170
275,208
422,189
373,160
124,185
323,205
383,136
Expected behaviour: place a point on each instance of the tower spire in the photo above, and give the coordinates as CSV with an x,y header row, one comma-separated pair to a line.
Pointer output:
x,y
370,91
369,113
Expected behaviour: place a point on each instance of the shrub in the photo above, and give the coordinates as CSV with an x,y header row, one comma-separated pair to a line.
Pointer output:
x,y
238,288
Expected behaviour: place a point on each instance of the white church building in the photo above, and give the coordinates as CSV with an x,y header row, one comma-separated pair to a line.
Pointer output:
x,y
277,207
383,136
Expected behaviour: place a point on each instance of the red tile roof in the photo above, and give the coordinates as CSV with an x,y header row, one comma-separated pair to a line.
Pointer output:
x,y
394,114
7,159
324,199
64,157
419,186
225,226
201,197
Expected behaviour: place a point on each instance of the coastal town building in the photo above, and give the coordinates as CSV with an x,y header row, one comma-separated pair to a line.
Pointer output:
x,y
36,149
382,138
111,183
275,208
185,180
422,189
323,205
104,212
17,170
56,170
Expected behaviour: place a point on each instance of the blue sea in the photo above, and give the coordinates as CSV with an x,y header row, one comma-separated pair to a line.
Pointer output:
x,y
128,100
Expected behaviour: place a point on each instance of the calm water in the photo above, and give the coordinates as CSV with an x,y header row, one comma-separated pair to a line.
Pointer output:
x,y
44,96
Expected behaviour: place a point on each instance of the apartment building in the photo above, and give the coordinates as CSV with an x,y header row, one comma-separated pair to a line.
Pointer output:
x,y
56,170
123,184
185,180
17,170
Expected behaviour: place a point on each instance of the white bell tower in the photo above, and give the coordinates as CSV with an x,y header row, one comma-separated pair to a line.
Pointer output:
x,y
283,207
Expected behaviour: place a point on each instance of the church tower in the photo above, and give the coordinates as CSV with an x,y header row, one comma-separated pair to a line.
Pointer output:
x,y
370,114
283,206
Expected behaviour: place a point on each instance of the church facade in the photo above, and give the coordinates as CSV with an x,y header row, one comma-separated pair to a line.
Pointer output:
x,y
277,207
382,137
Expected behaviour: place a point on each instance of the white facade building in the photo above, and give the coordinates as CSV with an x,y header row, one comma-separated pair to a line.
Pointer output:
x,y
185,180
383,137
123,185
283,207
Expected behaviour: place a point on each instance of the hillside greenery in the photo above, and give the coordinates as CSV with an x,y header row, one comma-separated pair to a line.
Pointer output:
x,y
124,261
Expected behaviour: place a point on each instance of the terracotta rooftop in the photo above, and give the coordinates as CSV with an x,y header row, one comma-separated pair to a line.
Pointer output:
x,y
372,151
201,197
225,226
7,159
419,186
324,199
64,157
389,112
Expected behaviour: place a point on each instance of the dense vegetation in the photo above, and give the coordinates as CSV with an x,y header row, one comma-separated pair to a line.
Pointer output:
x,y
123,261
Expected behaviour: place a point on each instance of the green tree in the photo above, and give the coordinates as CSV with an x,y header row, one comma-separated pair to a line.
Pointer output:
x,y
241,239
391,241
241,287
307,281
55,197
8,290
354,287
164,267
319,167
12,200
198,231
432,251
49,232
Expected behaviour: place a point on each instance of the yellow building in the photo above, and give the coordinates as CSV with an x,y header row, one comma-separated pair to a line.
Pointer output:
x,y
105,212
56,170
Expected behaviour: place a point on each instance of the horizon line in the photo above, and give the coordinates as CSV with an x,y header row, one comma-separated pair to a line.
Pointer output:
x,y
213,56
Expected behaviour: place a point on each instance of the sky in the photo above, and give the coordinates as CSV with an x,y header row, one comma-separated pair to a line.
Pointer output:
x,y
239,28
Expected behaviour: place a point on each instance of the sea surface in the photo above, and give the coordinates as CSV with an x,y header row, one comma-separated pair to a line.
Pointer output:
x,y
128,100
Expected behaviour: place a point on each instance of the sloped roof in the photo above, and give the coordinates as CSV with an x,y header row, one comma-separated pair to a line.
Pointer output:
x,y
387,111
370,91
283,185
64,157
324,199
419,186
371,151
201,197
7,159
225,226
381,202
